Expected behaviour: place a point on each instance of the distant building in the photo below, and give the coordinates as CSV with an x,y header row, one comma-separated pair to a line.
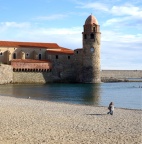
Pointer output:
x,y
80,65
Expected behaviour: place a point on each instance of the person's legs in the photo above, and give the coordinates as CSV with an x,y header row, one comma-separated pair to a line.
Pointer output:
x,y
111,112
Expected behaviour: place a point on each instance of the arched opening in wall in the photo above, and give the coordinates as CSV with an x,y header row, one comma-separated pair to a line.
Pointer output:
x,y
94,29
39,56
14,56
92,36
57,57
85,36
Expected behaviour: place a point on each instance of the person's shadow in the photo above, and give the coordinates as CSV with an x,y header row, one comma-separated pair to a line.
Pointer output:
x,y
97,114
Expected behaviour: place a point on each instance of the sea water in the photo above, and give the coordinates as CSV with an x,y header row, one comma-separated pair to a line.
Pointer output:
x,y
123,94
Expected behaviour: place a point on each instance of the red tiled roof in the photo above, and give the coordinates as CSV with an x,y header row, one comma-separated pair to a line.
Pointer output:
x,y
56,48
61,51
28,44
30,61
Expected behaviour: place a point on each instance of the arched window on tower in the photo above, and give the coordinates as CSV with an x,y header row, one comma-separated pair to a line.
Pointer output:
x,y
94,29
85,36
92,36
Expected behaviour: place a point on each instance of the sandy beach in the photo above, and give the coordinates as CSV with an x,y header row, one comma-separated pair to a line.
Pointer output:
x,y
27,121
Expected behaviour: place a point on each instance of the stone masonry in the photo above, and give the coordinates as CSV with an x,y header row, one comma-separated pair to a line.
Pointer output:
x,y
6,74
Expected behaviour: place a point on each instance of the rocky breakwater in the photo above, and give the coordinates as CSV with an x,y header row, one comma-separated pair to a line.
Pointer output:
x,y
6,74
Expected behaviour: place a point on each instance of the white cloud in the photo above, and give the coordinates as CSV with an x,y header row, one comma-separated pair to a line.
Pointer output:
x,y
94,5
120,55
51,17
120,37
14,25
127,10
66,37
54,31
116,21
121,51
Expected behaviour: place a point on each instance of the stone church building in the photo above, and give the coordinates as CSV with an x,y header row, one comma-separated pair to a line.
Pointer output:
x,y
55,63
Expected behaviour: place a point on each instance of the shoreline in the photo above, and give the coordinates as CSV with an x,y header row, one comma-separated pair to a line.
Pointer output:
x,y
68,103
31,121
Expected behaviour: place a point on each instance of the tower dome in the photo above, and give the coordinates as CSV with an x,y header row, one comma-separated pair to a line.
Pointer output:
x,y
91,20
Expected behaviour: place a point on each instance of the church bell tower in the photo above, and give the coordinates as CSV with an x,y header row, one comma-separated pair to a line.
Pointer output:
x,y
91,38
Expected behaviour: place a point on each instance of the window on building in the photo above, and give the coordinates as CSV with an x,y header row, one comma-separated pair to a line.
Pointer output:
x,y
57,57
1,53
77,52
85,36
94,29
92,36
14,56
69,57
39,56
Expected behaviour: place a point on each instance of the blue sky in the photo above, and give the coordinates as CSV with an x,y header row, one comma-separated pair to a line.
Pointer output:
x,y
62,22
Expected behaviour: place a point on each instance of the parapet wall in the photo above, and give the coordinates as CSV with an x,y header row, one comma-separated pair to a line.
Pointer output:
x,y
121,74
6,74
42,77
32,77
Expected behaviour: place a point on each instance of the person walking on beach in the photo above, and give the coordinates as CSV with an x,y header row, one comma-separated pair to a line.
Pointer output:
x,y
111,108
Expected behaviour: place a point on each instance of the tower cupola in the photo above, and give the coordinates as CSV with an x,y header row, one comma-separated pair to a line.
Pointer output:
x,y
91,20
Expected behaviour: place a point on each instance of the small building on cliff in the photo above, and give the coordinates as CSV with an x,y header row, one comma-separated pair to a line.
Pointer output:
x,y
56,63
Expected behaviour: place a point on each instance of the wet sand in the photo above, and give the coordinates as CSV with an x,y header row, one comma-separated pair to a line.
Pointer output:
x,y
27,121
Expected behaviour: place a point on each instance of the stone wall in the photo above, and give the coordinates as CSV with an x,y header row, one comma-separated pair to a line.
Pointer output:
x,y
6,74
67,75
43,77
32,77
121,73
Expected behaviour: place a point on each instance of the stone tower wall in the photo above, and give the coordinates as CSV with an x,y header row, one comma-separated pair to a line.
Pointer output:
x,y
91,57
